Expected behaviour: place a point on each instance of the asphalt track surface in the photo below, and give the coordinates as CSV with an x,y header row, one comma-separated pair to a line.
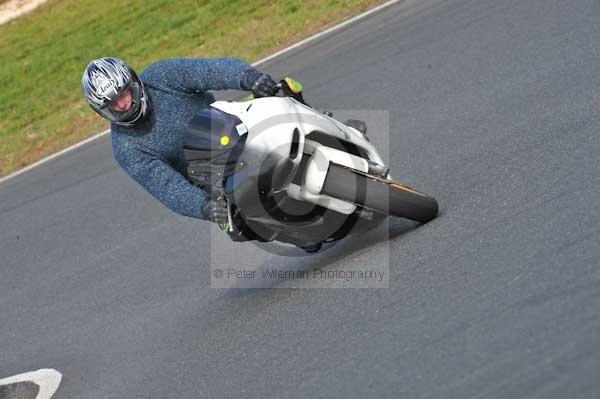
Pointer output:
x,y
494,109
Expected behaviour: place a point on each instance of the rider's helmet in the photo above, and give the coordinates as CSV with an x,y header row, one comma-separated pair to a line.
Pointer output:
x,y
104,80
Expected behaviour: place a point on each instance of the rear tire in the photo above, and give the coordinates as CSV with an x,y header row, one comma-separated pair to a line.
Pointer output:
x,y
378,194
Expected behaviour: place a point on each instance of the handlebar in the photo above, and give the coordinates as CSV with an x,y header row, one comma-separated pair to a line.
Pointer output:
x,y
291,88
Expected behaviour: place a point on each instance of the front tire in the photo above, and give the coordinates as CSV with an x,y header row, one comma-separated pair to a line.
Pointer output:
x,y
378,194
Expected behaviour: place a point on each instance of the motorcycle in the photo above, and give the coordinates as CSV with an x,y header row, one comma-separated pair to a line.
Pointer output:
x,y
293,174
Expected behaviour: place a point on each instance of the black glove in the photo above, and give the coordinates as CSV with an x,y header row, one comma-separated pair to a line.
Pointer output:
x,y
215,210
260,84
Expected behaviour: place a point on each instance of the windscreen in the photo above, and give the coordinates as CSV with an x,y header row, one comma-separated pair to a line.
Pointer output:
x,y
212,130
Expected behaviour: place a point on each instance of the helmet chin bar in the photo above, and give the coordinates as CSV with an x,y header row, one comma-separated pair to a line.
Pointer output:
x,y
129,116
141,114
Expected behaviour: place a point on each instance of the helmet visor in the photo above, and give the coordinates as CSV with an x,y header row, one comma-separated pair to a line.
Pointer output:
x,y
120,111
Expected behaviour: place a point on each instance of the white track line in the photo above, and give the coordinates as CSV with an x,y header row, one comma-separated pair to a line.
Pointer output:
x,y
270,57
328,31
47,379
55,155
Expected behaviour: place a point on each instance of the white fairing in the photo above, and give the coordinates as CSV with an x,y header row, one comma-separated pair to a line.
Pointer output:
x,y
270,124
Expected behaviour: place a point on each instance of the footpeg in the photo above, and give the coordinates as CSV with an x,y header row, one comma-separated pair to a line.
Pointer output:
x,y
378,170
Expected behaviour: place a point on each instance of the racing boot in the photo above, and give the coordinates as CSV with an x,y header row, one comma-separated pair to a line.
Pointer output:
x,y
361,126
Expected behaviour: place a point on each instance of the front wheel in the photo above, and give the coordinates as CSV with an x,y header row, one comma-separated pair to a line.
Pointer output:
x,y
380,195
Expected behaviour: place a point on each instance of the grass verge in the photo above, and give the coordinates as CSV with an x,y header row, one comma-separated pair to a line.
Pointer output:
x,y
44,53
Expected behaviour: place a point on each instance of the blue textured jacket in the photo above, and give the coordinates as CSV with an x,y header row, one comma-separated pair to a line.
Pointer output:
x,y
152,153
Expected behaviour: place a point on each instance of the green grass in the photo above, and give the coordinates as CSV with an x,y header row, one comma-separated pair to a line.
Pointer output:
x,y
43,54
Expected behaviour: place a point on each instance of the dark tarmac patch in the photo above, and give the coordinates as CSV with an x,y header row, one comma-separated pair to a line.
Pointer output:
x,y
19,390
40,384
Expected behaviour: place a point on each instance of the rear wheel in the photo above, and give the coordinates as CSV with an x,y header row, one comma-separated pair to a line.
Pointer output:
x,y
378,194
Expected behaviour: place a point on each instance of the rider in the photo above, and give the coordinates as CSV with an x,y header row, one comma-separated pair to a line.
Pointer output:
x,y
149,113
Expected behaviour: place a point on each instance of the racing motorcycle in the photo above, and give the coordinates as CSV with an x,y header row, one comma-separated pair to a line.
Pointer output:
x,y
293,174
